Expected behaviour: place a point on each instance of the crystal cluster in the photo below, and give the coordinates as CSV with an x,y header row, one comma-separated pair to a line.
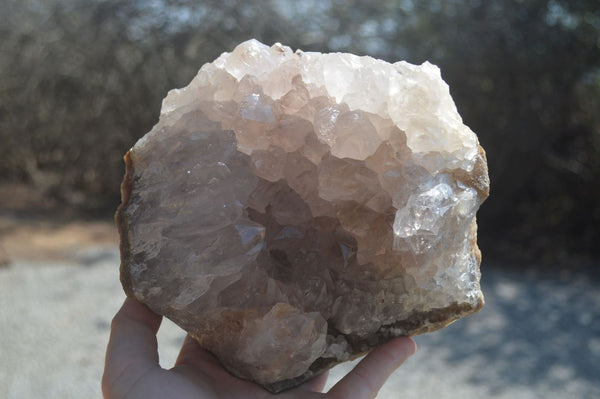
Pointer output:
x,y
292,210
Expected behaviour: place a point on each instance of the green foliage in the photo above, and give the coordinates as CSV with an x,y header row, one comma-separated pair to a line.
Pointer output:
x,y
81,80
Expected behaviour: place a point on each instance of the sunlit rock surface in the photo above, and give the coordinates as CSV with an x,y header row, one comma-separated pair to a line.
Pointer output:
x,y
293,210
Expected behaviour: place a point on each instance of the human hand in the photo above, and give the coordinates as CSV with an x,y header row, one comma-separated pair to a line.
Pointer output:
x,y
132,369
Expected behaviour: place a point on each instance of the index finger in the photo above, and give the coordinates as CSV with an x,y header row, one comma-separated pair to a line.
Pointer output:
x,y
368,376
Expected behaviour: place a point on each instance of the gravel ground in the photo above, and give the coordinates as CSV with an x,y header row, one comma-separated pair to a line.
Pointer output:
x,y
537,337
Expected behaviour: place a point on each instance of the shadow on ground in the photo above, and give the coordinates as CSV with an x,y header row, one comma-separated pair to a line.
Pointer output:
x,y
536,330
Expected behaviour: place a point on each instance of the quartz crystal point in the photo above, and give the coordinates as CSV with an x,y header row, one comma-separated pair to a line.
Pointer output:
x,y
292,210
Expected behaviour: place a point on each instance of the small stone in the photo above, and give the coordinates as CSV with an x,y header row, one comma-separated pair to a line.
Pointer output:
x,y
294,210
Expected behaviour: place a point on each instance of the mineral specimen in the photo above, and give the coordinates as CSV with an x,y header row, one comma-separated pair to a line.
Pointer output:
x,y
292,210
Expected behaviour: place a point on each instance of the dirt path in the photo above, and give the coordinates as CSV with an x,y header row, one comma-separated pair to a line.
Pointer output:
x,y
49,240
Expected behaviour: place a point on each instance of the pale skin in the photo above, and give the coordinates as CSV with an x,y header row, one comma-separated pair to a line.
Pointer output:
x,y
132,370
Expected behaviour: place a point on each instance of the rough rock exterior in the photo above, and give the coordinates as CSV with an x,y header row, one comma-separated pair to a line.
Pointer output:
x,y
293,210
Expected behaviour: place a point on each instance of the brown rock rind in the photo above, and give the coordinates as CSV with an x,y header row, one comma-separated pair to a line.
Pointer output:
x,y
123,226
419,323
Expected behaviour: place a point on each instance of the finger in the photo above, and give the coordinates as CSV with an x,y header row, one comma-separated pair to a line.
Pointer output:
x,y
132,347
200,365
197,360
317,383
365,380
192,354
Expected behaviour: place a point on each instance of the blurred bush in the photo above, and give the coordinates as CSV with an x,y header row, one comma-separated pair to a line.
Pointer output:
x,y
81,80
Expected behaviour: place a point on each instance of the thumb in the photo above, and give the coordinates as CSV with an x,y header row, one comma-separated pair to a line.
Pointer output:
x,y
132,348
